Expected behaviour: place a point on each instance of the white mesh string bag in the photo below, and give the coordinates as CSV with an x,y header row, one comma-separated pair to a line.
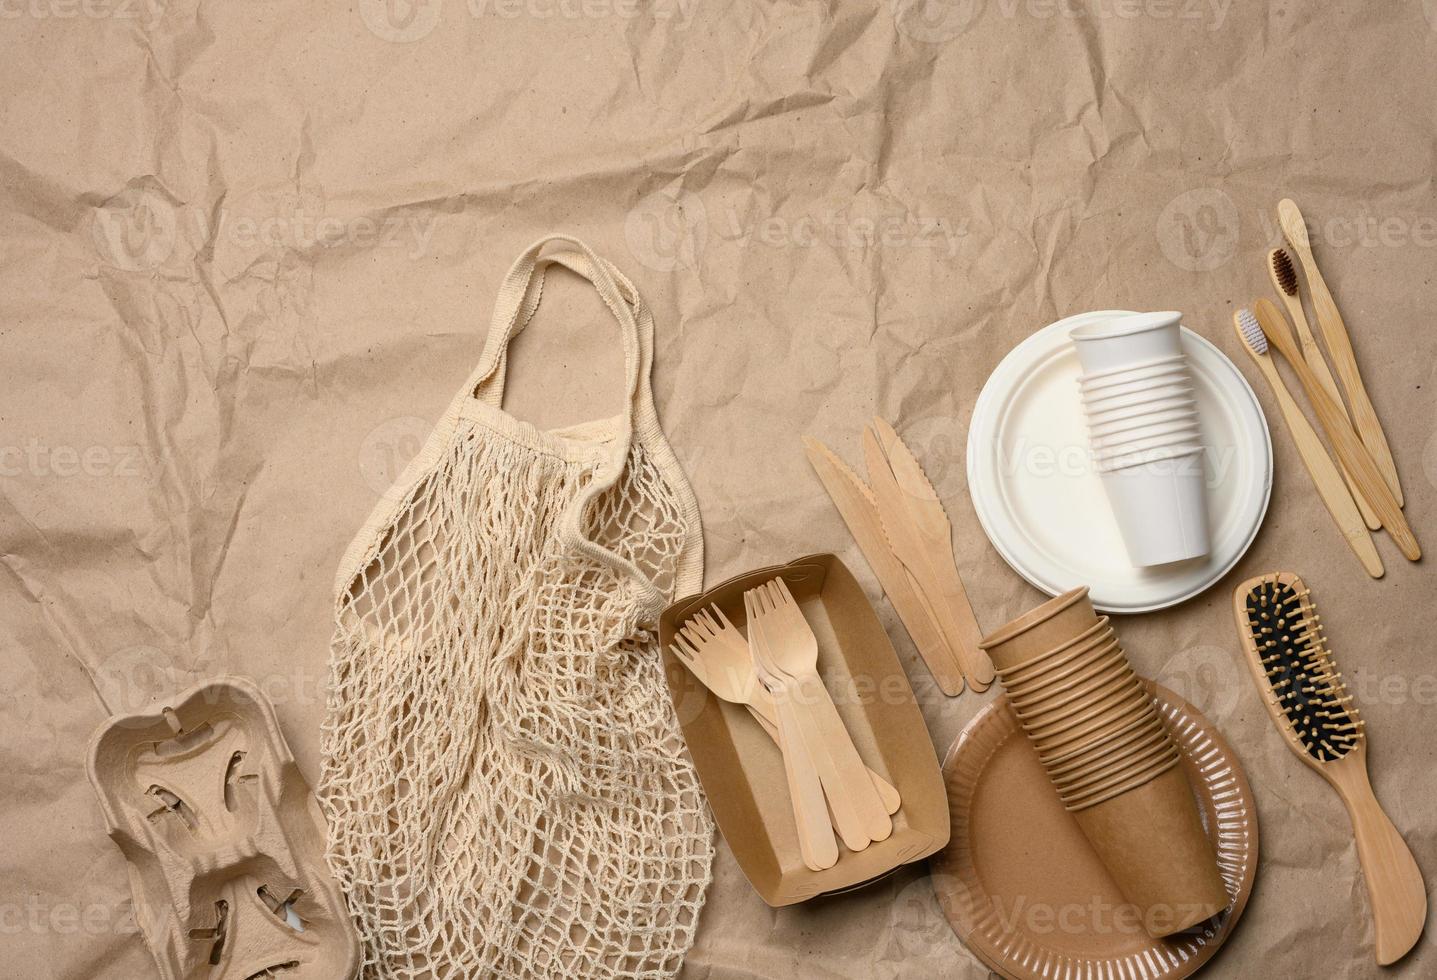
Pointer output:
x,y
507,791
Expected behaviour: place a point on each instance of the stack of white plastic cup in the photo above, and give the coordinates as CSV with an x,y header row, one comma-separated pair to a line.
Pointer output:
x,y
1145,433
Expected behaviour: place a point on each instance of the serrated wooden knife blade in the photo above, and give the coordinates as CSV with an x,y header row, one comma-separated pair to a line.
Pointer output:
x,y
859,511
921,537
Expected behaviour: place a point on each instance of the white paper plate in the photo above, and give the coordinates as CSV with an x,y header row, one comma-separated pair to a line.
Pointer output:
x,y
1041,501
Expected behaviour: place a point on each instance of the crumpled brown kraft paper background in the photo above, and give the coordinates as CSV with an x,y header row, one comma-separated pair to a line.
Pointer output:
x,y
249,251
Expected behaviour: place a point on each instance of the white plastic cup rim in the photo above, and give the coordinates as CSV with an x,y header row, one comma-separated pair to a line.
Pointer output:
x,y
1125,340
1129,325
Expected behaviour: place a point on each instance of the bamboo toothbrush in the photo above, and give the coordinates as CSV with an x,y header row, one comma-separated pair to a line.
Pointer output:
x,y
1284,279
1324,474
1287,653
1349,448
1334,331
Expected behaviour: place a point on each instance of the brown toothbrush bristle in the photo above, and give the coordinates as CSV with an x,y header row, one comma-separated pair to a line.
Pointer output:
x,y
1300,671
1284,272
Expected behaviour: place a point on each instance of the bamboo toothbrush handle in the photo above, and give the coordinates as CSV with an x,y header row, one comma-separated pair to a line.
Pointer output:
x,y
1324,474
1334,331
1395,888
1318,363
1352,452
1364,415
1349,448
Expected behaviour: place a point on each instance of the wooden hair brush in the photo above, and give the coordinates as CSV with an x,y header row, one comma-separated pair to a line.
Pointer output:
x,y
1309,703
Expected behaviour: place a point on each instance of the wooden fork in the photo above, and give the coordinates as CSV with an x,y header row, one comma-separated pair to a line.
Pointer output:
x,y
860,813
716,652
815,833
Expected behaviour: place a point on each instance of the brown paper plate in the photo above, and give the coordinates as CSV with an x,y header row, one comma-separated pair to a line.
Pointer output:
x,y
1024,891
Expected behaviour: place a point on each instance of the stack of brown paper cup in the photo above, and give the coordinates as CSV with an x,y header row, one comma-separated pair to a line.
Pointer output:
x,y
1115,767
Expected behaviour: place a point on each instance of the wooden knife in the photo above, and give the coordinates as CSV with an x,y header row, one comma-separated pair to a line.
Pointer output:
x,y
921,538
859,510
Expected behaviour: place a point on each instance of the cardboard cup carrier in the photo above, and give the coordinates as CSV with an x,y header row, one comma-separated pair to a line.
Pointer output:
x,y
224,840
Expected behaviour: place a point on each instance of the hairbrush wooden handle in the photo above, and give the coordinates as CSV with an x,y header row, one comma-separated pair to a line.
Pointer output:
x,y
1349,447
1339,344
1395,887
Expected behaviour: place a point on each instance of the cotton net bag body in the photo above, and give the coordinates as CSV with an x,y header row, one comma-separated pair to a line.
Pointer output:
x,y
507,790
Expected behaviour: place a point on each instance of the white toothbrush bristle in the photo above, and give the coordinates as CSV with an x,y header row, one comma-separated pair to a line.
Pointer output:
x,y
1252,331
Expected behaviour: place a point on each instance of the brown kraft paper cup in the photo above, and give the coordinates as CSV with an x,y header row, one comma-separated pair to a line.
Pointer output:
x,y
1094,636
1152,842
1040,630
1149,835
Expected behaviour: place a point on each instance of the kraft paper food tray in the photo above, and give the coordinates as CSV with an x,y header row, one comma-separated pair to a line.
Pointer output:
x,y
742,770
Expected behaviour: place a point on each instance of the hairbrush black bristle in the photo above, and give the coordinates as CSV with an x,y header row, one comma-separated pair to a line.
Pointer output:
x,y
1285,650
1288,636
1283,271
